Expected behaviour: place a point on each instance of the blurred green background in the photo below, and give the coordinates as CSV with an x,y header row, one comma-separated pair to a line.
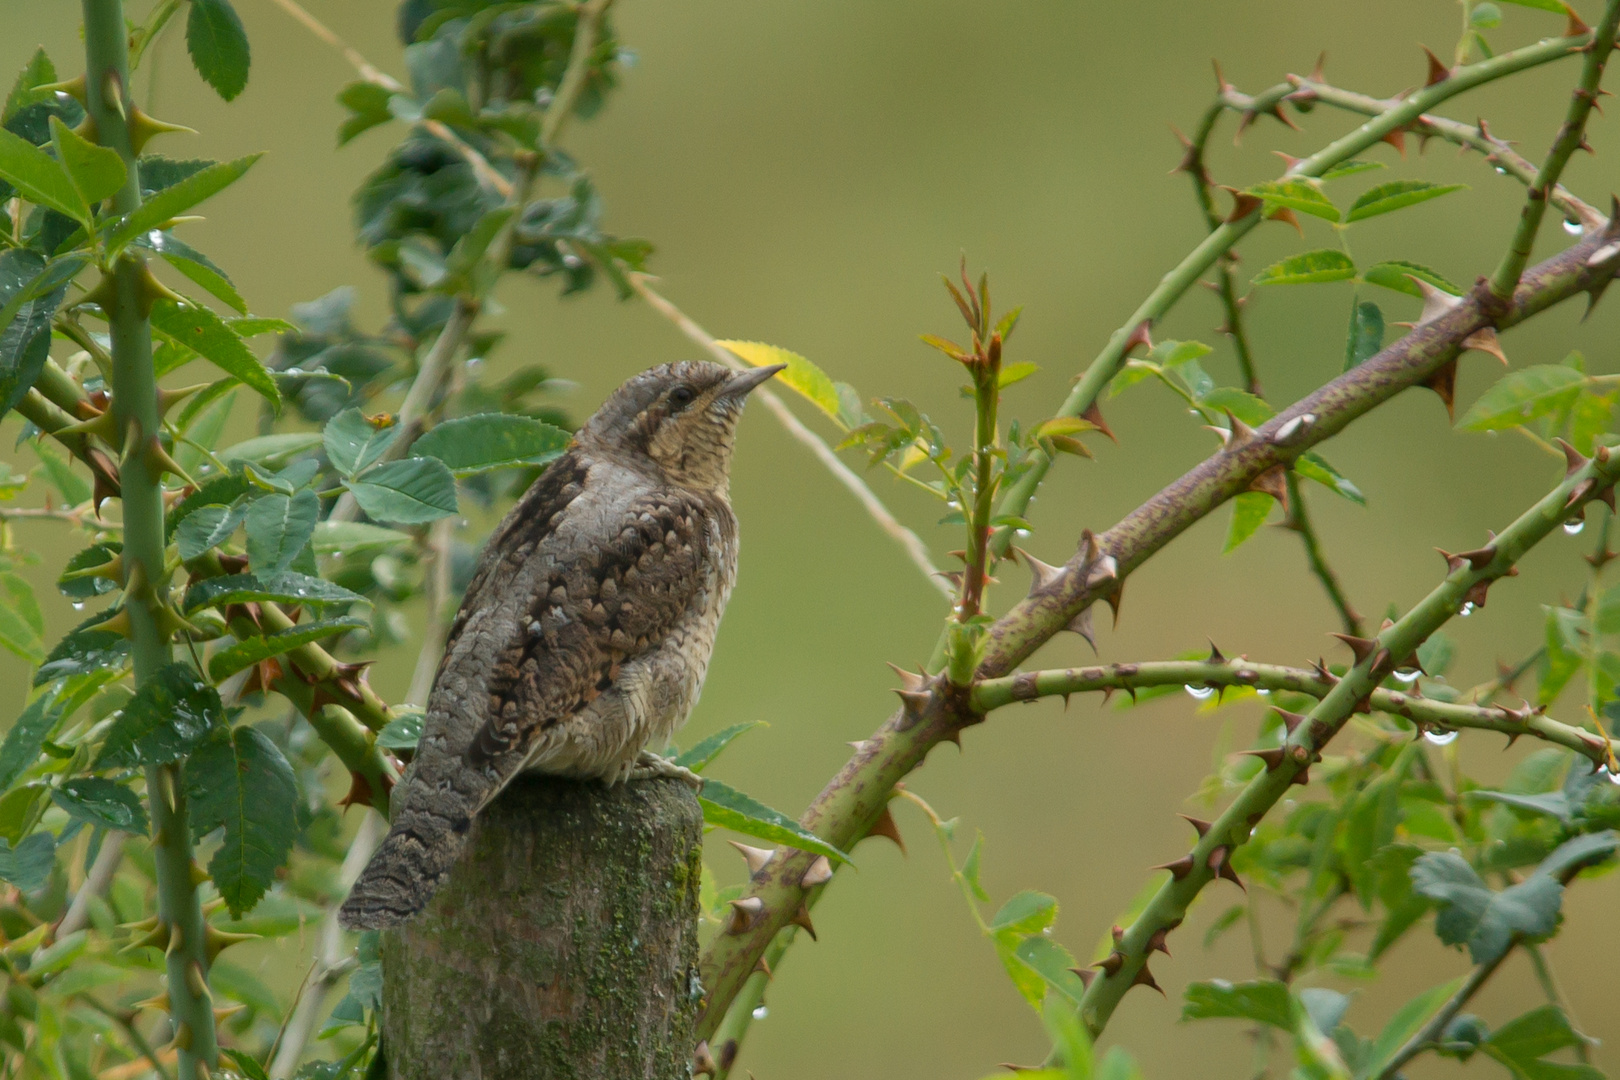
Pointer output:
x,y
806,172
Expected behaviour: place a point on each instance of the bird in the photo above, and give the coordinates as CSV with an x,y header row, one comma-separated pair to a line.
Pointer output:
x,y
586,631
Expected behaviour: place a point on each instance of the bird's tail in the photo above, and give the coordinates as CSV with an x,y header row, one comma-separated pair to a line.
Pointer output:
x,y
409,866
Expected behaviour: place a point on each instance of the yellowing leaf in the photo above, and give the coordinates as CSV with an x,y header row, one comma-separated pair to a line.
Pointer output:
x,y
801,374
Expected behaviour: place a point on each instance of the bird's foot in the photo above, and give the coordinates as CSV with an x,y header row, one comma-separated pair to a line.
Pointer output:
x,y
650,766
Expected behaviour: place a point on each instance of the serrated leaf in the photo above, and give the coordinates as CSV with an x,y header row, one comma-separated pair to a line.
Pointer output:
x,y
1053,963
401,733
270,451
1487,922
196,266
220,491
1396,274
1265,1001
1308,267
29,297
82,652
207,527
28,865
1397,195
1297,194
218,46
1314,466
1026,912
801,375
171,712
354,443
470,445
286,587
39,71
278,527
26,735
197,328
249,651
176,199
413,491
700,756
1247,407
1521,1041
728,808
83,588
96,171
1366,335
1249,511
239,781
334,537
103,803
1524,395
251,1070
38,177
1351,168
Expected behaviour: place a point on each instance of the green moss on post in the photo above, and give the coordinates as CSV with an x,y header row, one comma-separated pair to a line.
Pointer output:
x,y
564,943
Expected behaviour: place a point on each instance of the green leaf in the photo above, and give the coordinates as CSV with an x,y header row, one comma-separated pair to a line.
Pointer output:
x,y
728,808
39,178
29,864
205,333
1296,194
1261,1000
39,71
401,733
368,103
240,781
83,652
249,651
1396,274
176,199
169,715
196,266
1406,1022
1351,168
1366,334
1313,466
1578,853
1249,512
1557,7
1397,195
218,46
286,587
102,803
1245,406
23,741
1521,1041
475,444
22,627
73,488
251,1070
28,300
1524,395
413,491
1436,653
1487,922
207,527
96,171
1053,963
83,588
353,443
1325,264
271,451
338,537
801,375
1015,373
1026,912
699,757
278,527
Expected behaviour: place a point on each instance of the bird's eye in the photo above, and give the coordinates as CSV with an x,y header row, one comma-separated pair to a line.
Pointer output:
x,y
681,396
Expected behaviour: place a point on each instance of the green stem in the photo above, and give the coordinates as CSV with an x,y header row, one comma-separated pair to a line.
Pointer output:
x,y
991,694
1309,736
1549,986
1225,280
126,302
1171,287
1299,520
1430,1032
1570,137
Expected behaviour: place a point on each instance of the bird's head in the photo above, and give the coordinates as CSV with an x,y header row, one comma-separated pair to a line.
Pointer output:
x,y
681,418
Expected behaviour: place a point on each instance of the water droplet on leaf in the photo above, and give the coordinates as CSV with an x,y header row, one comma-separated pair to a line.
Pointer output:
x,y
78,605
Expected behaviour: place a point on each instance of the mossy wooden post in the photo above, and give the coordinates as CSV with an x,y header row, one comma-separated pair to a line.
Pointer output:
x,y
564,944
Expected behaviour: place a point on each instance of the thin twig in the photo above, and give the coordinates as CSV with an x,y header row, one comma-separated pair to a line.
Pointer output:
x,y
1300,522
1431,1031
908,540
1217,674
127,1022
1571,137
95,884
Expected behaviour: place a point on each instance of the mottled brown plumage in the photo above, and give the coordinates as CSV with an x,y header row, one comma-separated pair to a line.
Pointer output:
x,y
587,628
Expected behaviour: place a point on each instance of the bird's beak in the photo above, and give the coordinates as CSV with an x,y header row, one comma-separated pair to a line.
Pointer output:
x,y
741,383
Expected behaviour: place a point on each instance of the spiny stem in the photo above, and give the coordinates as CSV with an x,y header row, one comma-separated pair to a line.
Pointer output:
x,y
1570,138
1431,1031
1026,686
855,799
1299,520
1308,737
146,583
1171,287
1498,152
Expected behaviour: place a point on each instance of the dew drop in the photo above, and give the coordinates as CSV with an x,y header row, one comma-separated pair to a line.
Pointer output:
x,y
1573,527
1020,532
1199,693
1614,778
1500,171
1263,692
78,605
761,1013
1440,738
573,261
1466,610
1408,677
1572,227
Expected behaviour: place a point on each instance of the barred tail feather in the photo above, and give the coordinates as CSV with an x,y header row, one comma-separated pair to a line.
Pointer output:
x,y
407,869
